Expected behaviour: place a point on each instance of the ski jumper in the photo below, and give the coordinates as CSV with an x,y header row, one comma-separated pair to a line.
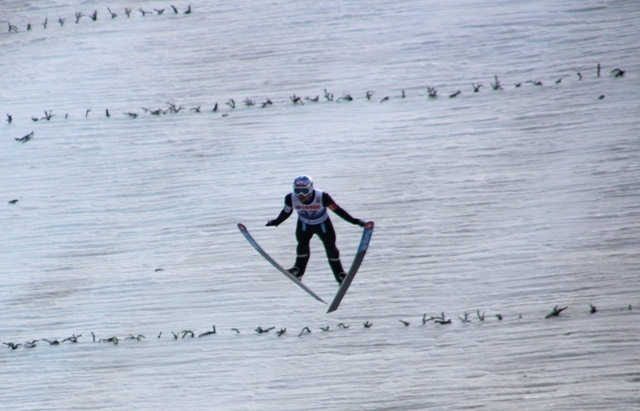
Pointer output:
x,y
314,219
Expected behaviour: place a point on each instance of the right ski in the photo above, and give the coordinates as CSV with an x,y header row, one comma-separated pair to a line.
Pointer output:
x,y
245,232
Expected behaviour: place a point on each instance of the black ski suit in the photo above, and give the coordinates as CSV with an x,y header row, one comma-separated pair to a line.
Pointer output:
x,y
324,230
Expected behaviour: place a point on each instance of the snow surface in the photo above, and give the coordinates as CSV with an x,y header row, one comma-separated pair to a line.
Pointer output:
x,y
503,203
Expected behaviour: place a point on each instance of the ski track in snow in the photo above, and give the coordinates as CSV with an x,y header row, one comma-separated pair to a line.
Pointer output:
x,y
504,202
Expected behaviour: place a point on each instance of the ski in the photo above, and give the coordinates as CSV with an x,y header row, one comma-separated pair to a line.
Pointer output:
x,y
245,232
362,250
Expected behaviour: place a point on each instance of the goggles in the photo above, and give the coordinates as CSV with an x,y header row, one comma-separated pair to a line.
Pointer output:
x,y
302,191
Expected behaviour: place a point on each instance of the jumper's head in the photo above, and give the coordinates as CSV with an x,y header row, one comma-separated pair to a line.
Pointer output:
x,y
303,186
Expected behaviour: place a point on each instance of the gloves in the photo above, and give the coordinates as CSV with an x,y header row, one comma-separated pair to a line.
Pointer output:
x,y
360,222
272,223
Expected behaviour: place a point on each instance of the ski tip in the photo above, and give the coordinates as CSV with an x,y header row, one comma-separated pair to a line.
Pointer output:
x,y
368,225
242,227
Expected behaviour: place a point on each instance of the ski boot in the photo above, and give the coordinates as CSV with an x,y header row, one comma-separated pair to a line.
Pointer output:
x,y
294,271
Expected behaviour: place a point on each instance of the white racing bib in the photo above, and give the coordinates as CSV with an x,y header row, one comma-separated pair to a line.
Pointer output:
x,y
312,213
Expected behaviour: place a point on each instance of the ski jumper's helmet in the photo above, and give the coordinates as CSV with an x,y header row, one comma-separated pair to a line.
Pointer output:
x,y
303,185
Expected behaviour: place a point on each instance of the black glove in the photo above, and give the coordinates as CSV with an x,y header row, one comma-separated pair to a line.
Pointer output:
x,y
271,223
360,222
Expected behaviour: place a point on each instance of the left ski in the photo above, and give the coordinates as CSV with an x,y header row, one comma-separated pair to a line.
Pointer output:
x,y
245,232
362,250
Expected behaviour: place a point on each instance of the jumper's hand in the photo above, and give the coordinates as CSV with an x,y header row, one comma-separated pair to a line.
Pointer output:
x,y
271,223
